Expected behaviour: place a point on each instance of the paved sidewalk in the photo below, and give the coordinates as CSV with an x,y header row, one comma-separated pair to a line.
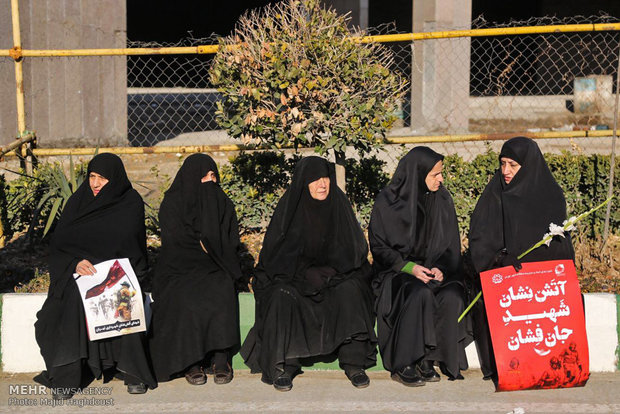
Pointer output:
x,y
322,391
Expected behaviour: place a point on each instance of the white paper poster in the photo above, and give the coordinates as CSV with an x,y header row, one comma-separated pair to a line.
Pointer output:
x,y
112,300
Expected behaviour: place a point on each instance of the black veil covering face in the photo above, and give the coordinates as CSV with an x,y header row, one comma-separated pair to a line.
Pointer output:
x,y
108,226
411,223
195,309
514,217
314,251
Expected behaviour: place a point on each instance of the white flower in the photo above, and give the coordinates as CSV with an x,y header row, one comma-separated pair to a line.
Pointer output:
x,y
569,225
555,230
547,239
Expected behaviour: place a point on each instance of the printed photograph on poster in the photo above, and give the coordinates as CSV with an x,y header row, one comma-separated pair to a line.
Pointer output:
x,y
112,300
537,325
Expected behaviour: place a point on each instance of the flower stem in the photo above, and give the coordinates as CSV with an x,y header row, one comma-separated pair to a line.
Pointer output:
x,y
473,302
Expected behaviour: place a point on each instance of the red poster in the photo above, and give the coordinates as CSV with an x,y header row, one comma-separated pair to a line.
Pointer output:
x,y
537,325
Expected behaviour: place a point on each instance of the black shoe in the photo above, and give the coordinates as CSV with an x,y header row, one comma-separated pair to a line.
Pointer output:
x,y
196,375
222,376
358,378
136,388
409,377
427,371
61,394
283,382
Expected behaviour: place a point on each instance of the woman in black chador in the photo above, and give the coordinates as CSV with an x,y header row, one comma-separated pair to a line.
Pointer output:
x,y
312,284
415,244
102,220
512,214
195,325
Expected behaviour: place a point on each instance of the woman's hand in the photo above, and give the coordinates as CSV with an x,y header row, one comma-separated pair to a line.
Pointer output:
x,y
438,274
85,268
422,273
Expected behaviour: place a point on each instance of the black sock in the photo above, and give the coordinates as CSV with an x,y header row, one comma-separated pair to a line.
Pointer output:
x,y
220,360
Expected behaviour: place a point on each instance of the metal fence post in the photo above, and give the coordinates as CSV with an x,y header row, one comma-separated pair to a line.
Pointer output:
x,y
19,79
612,161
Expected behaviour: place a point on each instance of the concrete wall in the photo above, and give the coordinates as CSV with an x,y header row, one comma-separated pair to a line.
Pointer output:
x,y
68,100
20,352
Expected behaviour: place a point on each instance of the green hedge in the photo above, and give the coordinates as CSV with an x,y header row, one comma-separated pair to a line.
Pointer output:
x,y
256,181
4,219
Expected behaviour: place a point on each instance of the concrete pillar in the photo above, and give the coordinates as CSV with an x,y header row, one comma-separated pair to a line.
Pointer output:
x,y
440,70
69,101
358,10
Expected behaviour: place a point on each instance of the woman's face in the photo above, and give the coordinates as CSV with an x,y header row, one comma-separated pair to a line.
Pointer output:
x,y
209,177
509,168
96,182
319,189
434,178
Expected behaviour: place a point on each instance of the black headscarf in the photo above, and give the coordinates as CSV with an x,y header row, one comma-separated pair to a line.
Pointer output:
x,y
193,212
411,223
305,232
515,216
99,228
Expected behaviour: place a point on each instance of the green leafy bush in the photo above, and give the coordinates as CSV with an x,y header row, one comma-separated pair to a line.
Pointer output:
x,y
293,73
5,230
255,182
21,200
34,202
366,178
266,171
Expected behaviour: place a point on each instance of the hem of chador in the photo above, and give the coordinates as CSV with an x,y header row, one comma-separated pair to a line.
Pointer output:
x,y
332,352
140,380
429,349
446,368
178,374
44,378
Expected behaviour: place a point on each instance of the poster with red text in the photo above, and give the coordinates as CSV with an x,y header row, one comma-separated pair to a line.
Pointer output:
x,y
537,325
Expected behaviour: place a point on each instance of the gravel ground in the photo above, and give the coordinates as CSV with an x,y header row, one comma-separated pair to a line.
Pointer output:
x,y
326,392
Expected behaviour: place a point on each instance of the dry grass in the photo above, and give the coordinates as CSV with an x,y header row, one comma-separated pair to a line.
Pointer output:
x,y
598,265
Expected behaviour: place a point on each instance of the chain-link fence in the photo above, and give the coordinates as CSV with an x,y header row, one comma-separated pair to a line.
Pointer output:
x,y
552,82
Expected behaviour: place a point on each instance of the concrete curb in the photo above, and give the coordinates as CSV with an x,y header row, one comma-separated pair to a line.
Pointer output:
x,y
19,351
618,328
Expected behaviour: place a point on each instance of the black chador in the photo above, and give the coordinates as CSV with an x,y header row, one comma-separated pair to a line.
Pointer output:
x,y
96,228
509,219
412,226
312,285
195,325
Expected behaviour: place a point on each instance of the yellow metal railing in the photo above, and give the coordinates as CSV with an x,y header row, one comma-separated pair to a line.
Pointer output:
x,y
417,139
18,53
